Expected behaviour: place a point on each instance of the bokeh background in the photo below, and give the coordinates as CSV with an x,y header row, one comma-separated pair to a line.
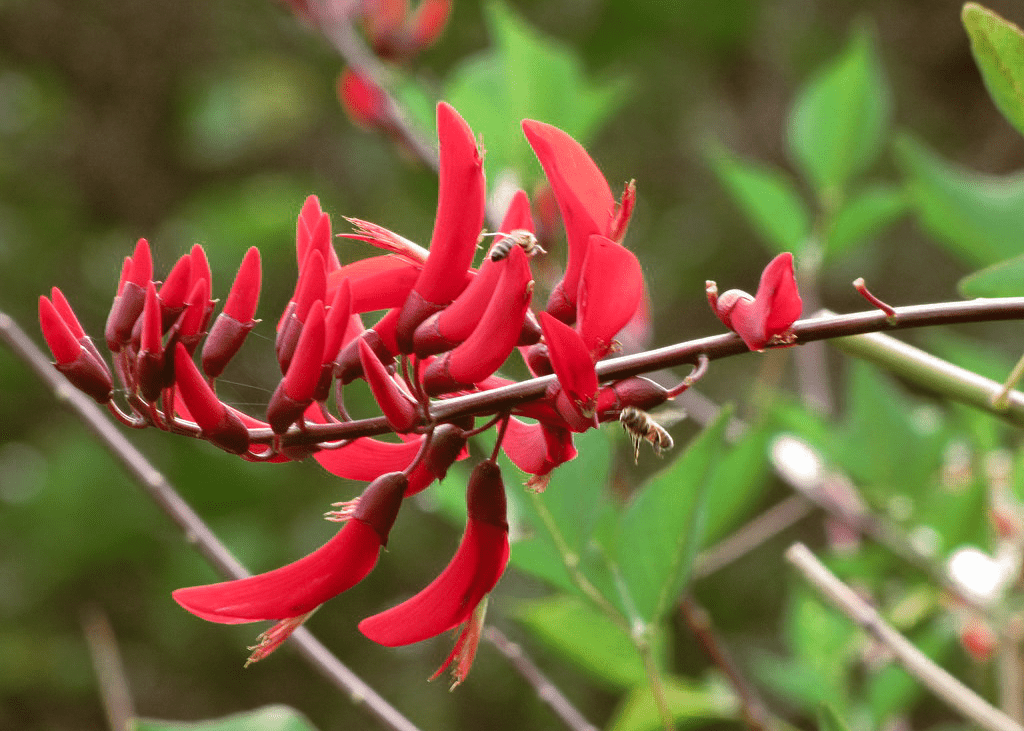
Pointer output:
x,y
192,121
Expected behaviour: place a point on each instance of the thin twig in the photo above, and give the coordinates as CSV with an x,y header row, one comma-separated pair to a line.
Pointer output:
x,y
753,709
546,691
751,535
957,695
197,533
106,663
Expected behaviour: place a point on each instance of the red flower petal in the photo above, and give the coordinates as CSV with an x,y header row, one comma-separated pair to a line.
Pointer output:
x,y
219,424
378,283
397,405
142,264
367,458
583,195
570,358
610,290
460,218
474,570
175,288
765,319
537,448
494,336
245,290
57,333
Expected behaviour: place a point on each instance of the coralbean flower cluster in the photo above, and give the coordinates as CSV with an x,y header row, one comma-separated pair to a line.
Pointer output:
x,y
447,328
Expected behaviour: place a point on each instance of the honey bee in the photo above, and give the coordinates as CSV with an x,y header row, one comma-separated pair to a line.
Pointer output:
x,y
518,237
640,426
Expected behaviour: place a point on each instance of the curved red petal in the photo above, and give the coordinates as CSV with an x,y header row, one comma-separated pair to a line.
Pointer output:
x,y
395,403
58,335
245,290
571,360
583,195
368,458
777,299
610,290
291,590
449,600
495,334
378,283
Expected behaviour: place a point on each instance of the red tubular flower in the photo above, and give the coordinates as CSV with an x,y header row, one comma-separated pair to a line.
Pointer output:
x,y
380,338
766,318
174,291
577,378
192,321
67,314
313,231
220,425
452,325
460,217
397,405
494,336
537,449
130,298
199,269
427,23
611,287
75,361
365,103
295,391
453,597
291,593
149,368
311,287
447,444
233,324
585,202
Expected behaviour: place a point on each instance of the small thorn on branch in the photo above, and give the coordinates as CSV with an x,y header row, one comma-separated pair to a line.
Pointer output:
x,y
890,313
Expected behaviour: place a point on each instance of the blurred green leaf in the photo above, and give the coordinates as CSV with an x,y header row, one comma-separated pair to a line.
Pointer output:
x,y
268,718
575,498
586,638
978,218
691,704
890,443
662,527
257,105
768,197
865,214
829,720
998,48
839,119
1005,279
737,483
526,76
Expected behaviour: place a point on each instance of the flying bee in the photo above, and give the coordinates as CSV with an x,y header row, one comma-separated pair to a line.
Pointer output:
x,y
641,426
518,237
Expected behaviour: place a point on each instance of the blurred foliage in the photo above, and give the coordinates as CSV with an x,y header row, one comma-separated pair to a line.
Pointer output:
x,y
858,135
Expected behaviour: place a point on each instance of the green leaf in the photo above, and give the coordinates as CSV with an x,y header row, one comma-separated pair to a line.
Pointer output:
x,y
768,198
575,498
1005,279
585,637
526,75
737,484
691,704
662,527
268,718
978,218
829,720
998,48
864,215
839,119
